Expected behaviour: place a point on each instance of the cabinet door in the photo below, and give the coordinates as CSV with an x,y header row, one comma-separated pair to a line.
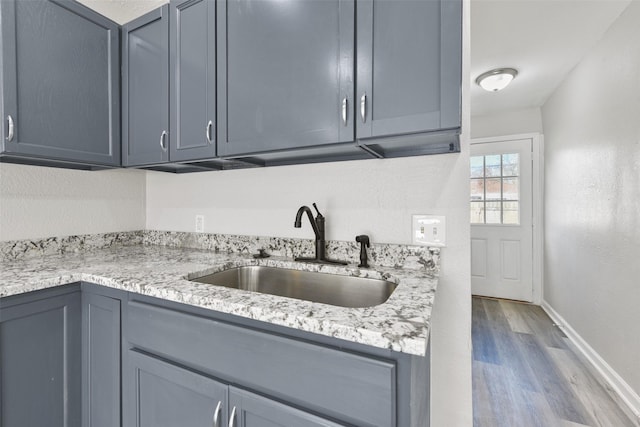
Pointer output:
x,y
100,361
250,410
145,89
40,362
159,394
193,79
60,88
285,72
409,66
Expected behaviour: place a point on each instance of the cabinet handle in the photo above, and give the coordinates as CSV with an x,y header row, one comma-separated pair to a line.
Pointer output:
x,y
209,132
232,418
363,107
216,415
163,139
10,131
344,111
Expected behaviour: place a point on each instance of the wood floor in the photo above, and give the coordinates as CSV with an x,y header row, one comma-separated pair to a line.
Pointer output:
x,y
527,373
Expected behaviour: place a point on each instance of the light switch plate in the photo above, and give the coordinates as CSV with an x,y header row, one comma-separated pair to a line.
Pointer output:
x,y
199,223
428,230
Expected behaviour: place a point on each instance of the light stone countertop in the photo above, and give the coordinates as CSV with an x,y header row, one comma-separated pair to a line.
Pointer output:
x,y
401,324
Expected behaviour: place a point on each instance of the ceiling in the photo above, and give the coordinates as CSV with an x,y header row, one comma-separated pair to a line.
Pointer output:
x,y
542,39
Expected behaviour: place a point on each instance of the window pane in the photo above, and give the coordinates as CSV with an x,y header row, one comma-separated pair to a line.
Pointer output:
x,y
493,189
511,164
511,212
492,165
477,167
477,212
477,189
511,189
493,212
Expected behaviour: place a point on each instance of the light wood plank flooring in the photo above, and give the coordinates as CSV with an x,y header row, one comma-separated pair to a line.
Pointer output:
x,y
526,373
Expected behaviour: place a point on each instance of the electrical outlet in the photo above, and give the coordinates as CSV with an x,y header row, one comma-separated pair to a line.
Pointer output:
x,y
199,223
428,230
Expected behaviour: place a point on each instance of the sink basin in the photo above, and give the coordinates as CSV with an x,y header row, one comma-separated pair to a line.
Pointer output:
x,y
343,291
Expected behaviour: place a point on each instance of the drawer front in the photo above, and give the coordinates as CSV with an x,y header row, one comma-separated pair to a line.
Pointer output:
x,y
349,387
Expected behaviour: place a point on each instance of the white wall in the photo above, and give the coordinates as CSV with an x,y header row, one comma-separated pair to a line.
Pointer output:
x,y
38,202
507,123
592,201
376,197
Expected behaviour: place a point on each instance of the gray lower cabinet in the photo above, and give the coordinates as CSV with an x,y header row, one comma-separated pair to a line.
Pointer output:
x,y
40,359
251,410
60,84
353,388
409,62
161,394
145,89
100,360
99,357
285,75
193,80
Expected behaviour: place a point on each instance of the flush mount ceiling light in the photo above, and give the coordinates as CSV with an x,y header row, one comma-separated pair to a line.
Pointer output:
x,y
497,79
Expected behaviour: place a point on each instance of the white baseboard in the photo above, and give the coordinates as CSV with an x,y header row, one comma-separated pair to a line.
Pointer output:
x,y
619,386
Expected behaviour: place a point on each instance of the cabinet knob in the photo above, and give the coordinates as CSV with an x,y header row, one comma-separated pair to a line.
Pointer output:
x,y
363,107
232,418
11,129
216,415
344,111
209,132
163,140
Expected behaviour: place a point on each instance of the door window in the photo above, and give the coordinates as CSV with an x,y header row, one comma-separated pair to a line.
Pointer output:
x,y
495,189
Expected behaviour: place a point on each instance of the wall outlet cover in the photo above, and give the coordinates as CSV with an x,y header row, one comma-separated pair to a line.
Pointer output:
x,y
428,230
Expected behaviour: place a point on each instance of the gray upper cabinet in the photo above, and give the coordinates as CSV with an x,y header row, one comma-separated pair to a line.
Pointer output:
x,y
145,89
285,74
193,80
60,84
409,73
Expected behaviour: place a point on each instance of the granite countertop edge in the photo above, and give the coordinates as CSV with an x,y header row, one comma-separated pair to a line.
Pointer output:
x,y
400,324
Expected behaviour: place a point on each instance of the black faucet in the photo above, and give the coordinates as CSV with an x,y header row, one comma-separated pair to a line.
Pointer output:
x,y
317,224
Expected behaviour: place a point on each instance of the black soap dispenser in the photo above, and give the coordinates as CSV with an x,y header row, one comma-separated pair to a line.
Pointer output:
x,y
363,239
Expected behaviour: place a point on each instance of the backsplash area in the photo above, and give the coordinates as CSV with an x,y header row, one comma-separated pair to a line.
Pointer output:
x,y
380,254
17,249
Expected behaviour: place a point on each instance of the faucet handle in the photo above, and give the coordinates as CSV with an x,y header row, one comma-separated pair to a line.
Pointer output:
x,y
316,208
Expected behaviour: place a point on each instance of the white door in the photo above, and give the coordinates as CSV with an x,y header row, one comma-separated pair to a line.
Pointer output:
x,y
501,219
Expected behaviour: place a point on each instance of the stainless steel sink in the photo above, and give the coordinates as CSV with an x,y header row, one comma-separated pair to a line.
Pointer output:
x,y
343,291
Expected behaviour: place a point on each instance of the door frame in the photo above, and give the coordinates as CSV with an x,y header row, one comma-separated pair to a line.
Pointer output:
x,y
537,214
